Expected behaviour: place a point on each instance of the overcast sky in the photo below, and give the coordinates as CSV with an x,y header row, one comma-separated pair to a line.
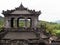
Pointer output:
x,y
50,8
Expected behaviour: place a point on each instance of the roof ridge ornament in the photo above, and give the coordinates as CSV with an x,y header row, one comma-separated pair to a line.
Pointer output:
x,y
21,7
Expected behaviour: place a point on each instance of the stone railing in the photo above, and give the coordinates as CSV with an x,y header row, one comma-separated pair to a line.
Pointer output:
x,y
12,42
9,42
22,29
55,43
17,41
2,33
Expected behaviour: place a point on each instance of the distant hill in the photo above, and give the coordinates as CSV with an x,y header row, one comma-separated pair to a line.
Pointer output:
x,y
1,21
1,18
58,21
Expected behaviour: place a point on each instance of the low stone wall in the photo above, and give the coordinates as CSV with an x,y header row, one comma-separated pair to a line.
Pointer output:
x,y
55,43
2,33
18,42
22,29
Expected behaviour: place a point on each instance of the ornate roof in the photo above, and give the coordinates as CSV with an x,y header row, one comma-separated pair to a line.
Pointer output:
x,y
21,10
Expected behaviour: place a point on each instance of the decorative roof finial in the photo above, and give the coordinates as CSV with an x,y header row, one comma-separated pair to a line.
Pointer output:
x,y
21,7
21,2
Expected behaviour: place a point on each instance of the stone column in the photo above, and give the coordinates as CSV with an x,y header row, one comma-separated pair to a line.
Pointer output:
x,y
15,22
34,22
30,22
7,23
26,23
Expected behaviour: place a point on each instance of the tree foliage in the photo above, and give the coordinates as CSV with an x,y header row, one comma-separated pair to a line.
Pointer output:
x,y
50,27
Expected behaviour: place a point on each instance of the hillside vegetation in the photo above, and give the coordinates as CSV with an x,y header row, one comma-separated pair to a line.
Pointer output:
x,y
53,28
49,27
1,22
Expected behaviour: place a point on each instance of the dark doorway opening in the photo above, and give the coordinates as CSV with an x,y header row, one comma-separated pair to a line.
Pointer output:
x,y
32,44
12,22
42,43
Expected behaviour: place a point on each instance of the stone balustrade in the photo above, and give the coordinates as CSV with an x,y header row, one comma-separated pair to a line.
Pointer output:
x,y
22,29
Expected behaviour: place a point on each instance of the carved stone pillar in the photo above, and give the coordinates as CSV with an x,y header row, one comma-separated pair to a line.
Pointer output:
x,y
34,22
7,24
26,21
30,22
15,22
9,21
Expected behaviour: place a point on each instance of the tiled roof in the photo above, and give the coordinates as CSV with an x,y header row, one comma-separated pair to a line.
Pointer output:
x,y
21,10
